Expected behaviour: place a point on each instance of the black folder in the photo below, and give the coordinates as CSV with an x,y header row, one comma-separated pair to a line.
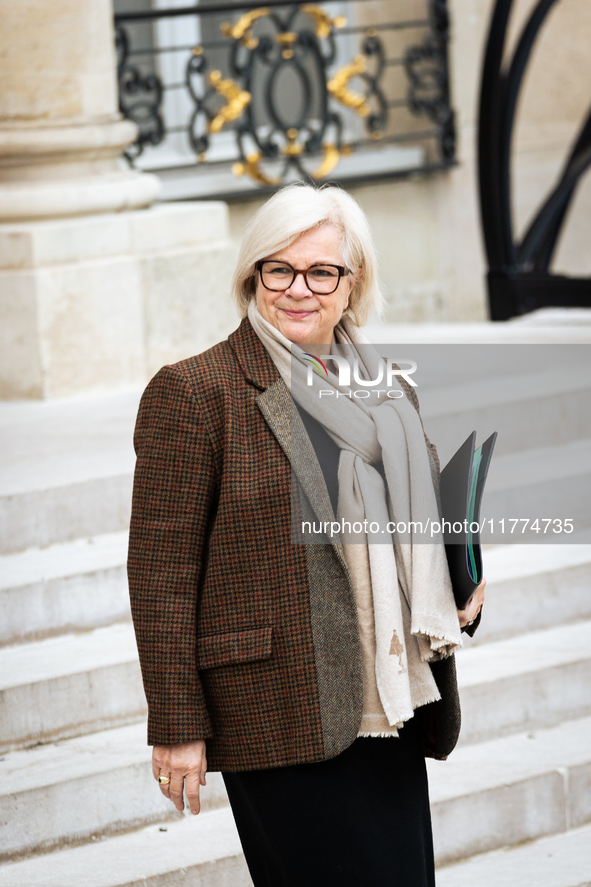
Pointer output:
x,y
462,486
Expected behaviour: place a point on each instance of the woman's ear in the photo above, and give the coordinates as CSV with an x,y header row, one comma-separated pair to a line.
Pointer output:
x,y
352,278
356,276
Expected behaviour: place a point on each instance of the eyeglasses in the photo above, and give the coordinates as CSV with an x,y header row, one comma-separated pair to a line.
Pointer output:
x,y
322,280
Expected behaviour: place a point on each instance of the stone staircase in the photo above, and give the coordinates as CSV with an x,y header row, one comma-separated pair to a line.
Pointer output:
x,y
78,803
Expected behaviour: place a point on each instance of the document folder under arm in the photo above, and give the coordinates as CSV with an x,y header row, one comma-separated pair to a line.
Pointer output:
x,y
462,486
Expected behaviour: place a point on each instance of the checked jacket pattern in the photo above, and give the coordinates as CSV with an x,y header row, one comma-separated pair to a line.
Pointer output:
x,y
245,639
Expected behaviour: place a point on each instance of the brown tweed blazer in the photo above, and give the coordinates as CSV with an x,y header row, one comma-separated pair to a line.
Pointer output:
x,y
245,639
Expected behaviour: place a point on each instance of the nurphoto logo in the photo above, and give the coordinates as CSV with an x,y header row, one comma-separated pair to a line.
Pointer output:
x,y
388,369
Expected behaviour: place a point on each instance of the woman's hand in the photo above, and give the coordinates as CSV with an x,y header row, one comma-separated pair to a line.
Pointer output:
x,y
474,607
186,765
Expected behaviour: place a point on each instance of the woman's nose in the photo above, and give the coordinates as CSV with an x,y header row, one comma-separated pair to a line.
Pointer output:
x,y
299,288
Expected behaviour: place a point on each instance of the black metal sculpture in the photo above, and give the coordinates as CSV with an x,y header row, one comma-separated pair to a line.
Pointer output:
x,y
519,279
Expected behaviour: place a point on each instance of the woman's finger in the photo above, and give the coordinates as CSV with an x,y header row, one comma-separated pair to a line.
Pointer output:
x,y
203,768
192,781
160,767
480,591
164,787
156,764
473,608
185,764
478,599
177,780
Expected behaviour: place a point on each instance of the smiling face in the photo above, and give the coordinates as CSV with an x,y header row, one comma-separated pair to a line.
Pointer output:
x,y
302,316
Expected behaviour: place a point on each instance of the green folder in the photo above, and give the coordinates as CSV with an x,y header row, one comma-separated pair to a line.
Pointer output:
x,y
472,567
462,488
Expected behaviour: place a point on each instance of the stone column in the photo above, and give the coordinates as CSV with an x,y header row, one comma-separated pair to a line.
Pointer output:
x,y
61,135
97,288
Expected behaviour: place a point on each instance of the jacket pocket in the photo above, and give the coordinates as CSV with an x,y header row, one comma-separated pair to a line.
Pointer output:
x,y
214,650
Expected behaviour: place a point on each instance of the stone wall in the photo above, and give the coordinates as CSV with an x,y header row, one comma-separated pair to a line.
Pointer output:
x,y
101,302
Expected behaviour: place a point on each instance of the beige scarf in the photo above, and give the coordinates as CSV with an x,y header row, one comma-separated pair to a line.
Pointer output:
x,y
407,614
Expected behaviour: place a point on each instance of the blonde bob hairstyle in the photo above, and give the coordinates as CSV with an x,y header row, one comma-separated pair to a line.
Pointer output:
x,y
298,208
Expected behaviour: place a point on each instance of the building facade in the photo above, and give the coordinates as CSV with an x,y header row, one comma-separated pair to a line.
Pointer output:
x,y
99,290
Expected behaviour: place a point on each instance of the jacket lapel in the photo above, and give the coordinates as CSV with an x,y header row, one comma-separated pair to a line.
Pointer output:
x,y
276,405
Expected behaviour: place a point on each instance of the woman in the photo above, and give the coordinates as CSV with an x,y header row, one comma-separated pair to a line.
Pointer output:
x,y
315,676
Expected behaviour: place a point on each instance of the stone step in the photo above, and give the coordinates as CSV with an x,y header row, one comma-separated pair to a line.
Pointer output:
x,y
547,326
75,684
79,585
107,780
202,850
70,586
547,482
61,514
550,482
540,392
530,587
506,791
66,466
69,685
485,797
65,469
527,682
559,861
82,584
522,409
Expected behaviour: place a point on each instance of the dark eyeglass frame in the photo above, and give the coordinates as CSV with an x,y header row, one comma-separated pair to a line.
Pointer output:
x,y
342,269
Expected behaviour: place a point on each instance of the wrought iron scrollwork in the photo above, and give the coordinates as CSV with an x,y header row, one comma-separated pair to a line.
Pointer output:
x,y
270,141
428,76
283,100
140,97
377,119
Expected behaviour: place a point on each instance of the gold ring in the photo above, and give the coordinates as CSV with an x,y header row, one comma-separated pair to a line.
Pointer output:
x,y
163,780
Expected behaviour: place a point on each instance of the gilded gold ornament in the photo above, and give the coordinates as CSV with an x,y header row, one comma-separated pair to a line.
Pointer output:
x,y
241,29
236,101
324,23
337,86
292,149
286,39
252,168
331,157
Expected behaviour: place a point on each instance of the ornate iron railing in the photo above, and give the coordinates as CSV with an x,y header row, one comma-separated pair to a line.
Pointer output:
x,y
288,91
519,279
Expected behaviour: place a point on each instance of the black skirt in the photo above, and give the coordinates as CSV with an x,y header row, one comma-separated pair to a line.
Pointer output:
x,y
361,819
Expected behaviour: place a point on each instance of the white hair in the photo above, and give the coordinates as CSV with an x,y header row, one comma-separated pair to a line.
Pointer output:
x,y
298,208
